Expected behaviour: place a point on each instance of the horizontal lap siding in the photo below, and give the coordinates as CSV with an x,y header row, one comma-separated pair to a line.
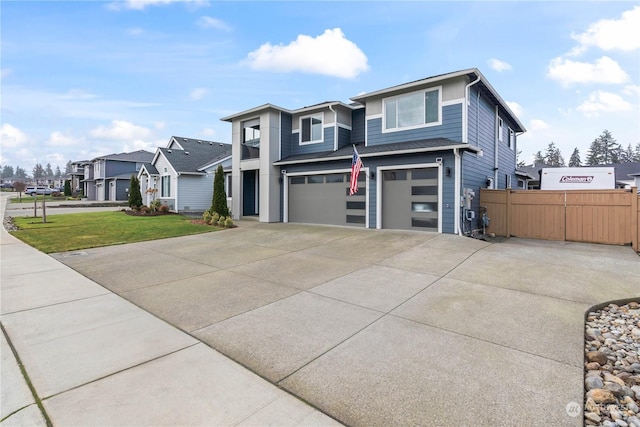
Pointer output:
x,y
344,137
286,121
450,128
195,193
326,145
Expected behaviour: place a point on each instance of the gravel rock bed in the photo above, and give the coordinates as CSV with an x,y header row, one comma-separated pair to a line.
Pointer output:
x,y
612,366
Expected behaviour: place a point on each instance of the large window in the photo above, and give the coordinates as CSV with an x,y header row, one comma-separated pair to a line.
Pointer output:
x,y
166,186
311,129
412,110
250,139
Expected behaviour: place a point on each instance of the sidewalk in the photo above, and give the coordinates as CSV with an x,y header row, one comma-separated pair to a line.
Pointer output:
x,y
95,359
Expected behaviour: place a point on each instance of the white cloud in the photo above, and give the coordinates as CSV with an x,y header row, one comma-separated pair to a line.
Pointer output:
x,y
605,102
142,4
208,132
160,125
632,90
198,93
215,23
121,130
611,34
12,137
537,124
515,107
58,139
139,144
498,65
331,53
568,72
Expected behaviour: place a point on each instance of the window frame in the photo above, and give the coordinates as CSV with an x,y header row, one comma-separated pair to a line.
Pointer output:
x,y
247,124
310,117
511,141
500,126
386,101
162,186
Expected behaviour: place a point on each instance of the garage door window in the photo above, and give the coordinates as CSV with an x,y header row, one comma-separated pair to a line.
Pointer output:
x,y
297,179
395,176
315,179
336,177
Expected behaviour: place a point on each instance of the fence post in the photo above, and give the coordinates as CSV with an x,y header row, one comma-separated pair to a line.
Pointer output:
x,y
635,232
508,212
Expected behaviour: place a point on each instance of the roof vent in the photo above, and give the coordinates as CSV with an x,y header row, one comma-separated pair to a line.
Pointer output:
x,y
186,152
221,144
169,151
210,143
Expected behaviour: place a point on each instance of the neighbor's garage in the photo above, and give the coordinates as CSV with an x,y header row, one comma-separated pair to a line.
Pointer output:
x,y
410,199
325,199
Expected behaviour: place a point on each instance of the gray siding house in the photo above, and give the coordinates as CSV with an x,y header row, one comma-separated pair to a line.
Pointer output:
x,y
181,174
427,147
108,177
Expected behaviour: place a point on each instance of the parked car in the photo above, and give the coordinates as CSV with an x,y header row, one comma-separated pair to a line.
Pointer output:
x,y
6,185
32,191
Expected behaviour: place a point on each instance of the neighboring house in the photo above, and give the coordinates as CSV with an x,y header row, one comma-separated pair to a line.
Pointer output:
x,y
78,175
108,177
424,145
182,174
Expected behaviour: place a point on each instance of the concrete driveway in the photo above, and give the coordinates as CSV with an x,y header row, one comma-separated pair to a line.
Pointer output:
x,y
380,327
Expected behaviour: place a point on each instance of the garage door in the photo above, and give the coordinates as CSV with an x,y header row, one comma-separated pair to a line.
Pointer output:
x,y
410,199
324,199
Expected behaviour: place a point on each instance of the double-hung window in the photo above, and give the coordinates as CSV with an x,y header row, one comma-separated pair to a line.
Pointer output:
x,y
412,110
166,186
311,129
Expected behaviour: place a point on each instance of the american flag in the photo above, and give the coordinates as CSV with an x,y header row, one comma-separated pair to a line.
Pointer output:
x,y
356,165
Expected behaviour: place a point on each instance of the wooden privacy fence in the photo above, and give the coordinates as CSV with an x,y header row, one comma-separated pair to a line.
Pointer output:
x,y
595,216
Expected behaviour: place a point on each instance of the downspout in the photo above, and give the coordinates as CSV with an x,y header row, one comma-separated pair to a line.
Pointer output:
x,y
495,150
456,202
335,128
465,129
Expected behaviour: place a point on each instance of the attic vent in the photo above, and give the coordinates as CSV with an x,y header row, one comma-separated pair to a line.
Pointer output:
x,y
169,151
221,144
210,143
199,142
185,139
186,152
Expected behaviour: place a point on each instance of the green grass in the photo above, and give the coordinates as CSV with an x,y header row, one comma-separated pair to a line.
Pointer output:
x,y
29,199
70,232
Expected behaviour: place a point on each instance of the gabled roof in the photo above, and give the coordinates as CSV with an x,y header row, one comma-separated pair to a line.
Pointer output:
x,y
194,155
253,111
140,156
472,74
425,145
151,169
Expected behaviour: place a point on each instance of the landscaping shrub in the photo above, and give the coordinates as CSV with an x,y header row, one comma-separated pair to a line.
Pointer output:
x,y
164,208
219,203
155,205
135,197
67,188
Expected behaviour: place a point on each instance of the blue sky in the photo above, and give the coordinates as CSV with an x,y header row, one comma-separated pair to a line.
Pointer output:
x,y
83,79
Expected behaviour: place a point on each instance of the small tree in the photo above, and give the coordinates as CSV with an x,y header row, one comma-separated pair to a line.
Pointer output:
x,y
219,203
67,188
19,186
135,197
574,160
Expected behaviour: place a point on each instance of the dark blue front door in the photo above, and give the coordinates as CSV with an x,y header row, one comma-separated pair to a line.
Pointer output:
x,y
249,193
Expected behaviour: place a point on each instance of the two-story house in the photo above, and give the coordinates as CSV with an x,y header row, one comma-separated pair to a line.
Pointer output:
x,y
108,177
427,147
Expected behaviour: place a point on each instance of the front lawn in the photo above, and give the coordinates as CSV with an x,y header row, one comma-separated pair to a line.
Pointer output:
x,y
70,232
29,199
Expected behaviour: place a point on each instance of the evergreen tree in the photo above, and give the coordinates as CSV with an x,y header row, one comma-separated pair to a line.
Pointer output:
x,y
67,188
604,150
68,167
20,173
538,158
552,156
38,171
58,172
574,160
7,171
219,203
135,196
48,171
519,163
636,153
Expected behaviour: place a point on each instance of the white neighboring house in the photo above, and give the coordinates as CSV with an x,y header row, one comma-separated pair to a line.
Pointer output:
x,y
181,174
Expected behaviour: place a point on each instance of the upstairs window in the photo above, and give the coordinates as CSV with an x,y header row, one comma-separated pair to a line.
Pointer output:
x,y
512,139
311,129
500,125
251,133
412,110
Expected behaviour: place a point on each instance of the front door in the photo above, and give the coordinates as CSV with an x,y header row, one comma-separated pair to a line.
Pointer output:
x,y
250,193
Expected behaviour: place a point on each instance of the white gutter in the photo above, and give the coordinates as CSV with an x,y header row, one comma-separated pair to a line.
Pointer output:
x,y
335,128
496,143
456,193
465,111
